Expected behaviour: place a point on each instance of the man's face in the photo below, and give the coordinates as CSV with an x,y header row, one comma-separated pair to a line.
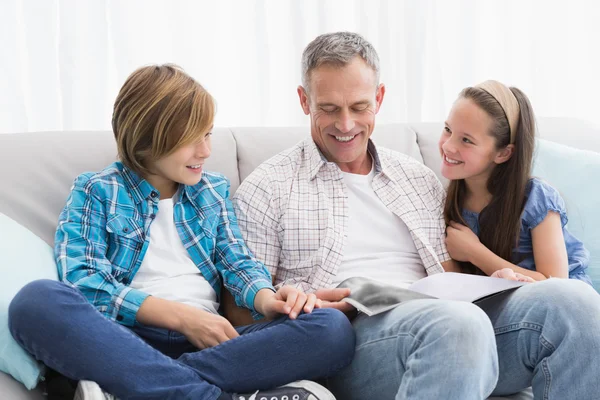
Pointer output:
x,y
342,103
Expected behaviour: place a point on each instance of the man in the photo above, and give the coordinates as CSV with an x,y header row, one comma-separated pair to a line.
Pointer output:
x,y
336,206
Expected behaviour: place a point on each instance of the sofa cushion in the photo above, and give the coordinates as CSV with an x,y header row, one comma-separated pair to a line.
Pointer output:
x,y
24,257
574,173
39,168
428,135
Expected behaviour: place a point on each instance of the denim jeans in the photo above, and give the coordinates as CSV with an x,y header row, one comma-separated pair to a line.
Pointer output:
x,y
57,325
545,335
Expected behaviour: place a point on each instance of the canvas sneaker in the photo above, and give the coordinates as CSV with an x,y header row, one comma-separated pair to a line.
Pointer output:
x,y
88,390
300,390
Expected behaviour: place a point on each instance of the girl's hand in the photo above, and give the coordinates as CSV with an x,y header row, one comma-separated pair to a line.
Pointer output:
x,y
461,242
507,273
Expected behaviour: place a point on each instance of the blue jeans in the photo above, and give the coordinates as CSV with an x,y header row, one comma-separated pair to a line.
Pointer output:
x,y
58,326
545,335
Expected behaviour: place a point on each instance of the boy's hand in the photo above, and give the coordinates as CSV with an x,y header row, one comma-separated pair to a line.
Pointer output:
x,y
204,329
287,300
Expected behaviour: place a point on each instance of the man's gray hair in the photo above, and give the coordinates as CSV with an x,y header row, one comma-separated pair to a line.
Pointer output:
x,y
338,48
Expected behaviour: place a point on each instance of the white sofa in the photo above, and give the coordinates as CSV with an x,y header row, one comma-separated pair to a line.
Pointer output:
x,y
37,170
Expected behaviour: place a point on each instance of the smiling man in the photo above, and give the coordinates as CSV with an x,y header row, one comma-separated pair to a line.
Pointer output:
x,y
337,206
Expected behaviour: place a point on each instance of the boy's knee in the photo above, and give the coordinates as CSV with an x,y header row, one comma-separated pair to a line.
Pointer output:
x,y
336,329
36,292
33,302
335,321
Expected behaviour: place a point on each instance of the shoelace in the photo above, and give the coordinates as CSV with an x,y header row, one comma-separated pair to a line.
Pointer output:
x,y
253,397
284,397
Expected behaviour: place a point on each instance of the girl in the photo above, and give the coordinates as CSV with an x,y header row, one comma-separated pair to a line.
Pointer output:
x,y
143,249
501,221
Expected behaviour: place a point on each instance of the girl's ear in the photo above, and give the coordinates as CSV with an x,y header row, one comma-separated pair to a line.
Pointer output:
x,y
505,154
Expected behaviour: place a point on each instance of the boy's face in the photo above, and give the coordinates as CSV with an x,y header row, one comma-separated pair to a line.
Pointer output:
x,y
183,166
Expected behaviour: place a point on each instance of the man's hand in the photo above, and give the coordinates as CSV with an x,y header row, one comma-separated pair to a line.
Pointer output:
x,y
204,329
332,298
461,242
287,300
507,273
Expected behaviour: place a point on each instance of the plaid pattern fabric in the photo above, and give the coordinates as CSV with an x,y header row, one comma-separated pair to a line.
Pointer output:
x,y
292,211
103,234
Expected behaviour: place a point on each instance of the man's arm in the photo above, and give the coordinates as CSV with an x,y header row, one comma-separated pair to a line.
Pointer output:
x,y
438,240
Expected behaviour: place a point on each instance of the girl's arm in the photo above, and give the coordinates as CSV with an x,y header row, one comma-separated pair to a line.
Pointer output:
x,y
549,250
488,262
451,266
549,253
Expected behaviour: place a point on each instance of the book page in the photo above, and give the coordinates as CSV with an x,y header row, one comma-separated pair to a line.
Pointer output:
x,y
463,287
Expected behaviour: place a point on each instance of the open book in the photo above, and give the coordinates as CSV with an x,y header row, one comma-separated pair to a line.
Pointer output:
x,y
372,297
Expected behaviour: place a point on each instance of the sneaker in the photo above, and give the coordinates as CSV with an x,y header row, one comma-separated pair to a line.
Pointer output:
x,y
300,390
88,390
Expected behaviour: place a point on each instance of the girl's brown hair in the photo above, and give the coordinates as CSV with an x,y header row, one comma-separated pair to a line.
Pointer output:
x,y
159,109
500,221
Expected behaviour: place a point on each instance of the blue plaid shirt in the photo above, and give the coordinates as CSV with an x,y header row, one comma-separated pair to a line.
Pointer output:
x,y
103,234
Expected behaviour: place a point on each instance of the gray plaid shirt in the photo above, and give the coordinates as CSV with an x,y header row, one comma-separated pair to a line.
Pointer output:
x,y
293,211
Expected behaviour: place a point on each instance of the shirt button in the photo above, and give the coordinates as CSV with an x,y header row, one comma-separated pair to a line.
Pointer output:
x,y
153,194
126,229
119,318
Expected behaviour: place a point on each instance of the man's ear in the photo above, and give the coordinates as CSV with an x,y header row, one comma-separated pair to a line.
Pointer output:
x,y
505,154
379,97
304,100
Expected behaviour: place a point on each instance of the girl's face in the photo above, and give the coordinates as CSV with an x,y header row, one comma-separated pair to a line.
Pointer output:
x,y
468,150
183,166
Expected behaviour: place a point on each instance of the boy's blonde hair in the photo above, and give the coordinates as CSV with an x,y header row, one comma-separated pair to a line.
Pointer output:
x,y
159,109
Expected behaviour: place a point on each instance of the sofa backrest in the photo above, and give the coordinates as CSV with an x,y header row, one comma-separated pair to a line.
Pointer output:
x,y
255,145
38,169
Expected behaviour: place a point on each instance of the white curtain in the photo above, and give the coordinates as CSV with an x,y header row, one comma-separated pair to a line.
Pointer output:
x,y
63,61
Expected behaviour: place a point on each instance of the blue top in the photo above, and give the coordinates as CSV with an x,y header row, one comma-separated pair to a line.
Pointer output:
x,y
102,237
541,198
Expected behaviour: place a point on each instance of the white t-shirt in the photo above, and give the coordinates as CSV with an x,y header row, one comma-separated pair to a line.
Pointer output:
x,y
379,245
167,271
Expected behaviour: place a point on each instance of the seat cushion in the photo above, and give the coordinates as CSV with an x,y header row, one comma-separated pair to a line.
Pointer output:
x,y
13,390
524,395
